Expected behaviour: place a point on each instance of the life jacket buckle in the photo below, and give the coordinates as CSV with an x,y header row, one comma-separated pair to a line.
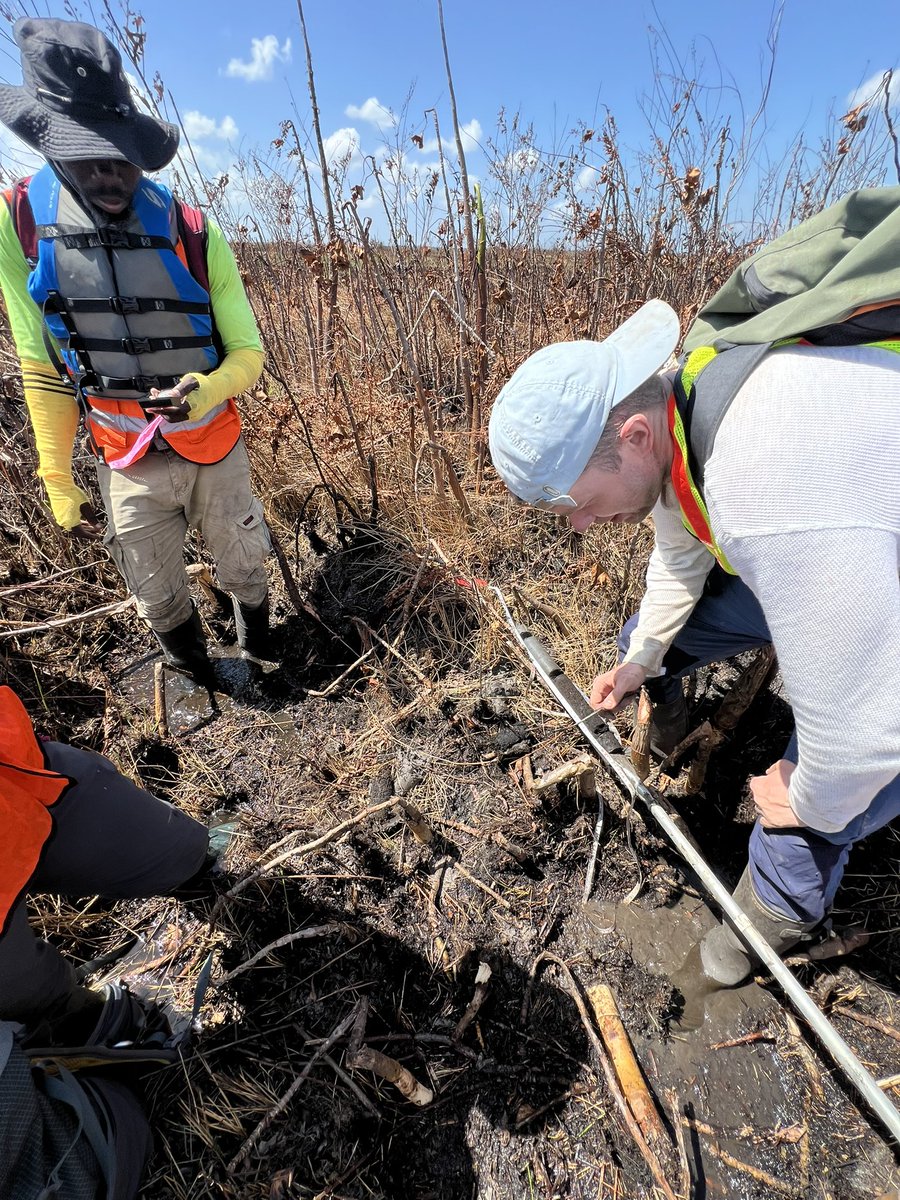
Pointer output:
x,y
114,238
125,305
143,383
137,346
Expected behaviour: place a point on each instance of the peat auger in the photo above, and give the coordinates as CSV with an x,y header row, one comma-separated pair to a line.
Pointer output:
x,y
605,741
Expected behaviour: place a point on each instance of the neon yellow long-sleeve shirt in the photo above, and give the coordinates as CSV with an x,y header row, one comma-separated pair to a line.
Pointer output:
x,y
51,403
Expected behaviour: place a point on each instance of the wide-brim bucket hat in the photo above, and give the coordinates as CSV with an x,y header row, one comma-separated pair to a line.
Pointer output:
x,y
74,101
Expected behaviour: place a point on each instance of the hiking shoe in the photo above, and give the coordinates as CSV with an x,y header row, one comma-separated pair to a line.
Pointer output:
x,y
118,1027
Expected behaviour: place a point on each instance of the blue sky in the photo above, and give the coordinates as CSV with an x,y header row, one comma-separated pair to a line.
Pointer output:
x,y
237,69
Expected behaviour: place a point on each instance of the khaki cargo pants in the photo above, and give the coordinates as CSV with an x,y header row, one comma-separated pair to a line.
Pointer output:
x,y
151,505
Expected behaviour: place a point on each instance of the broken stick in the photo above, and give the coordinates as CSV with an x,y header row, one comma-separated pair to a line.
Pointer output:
x,y
482,979
159,699
627,1068
367,1059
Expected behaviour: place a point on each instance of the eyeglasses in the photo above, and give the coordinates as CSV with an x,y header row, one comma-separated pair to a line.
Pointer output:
x,y
551,499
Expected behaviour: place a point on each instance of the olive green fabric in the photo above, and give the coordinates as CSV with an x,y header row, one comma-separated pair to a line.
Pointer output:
x,y
816,274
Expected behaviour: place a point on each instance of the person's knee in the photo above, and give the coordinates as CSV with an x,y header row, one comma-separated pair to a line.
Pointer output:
x,y
114,837
795,873
153,570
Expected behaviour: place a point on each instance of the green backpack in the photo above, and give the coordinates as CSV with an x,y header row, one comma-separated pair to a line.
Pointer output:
x,y
833,280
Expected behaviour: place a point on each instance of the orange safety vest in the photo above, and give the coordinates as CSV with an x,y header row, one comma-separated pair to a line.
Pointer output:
x,y
69,264
28,790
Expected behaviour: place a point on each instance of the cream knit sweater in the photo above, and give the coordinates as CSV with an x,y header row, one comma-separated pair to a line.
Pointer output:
x,y
803,491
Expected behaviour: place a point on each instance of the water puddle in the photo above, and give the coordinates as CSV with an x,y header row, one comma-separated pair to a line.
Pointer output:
x,y
189,706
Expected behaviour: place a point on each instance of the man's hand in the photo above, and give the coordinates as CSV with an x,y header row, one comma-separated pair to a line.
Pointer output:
x,y
172,403
613,687
770,795
88,528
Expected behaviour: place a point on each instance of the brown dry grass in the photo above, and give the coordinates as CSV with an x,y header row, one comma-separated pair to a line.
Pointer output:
x,y
378,352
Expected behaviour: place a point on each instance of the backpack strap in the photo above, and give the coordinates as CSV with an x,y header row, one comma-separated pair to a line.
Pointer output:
x,y
705,395
192,247
193,237
16,198
67,1089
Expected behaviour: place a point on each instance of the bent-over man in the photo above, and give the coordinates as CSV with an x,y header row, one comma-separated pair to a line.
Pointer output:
x,y
802,510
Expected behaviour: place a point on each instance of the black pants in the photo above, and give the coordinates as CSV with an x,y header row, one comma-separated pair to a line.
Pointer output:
x,y
110,838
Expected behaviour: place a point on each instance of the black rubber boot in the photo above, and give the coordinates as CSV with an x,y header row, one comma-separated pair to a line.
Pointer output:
x,y
721,960
668,726
185,649
252,625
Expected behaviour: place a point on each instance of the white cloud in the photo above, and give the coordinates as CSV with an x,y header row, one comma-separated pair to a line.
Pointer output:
x,y
197,126
874,86
264,53
587,178
342,145
470,134
373,111
522,160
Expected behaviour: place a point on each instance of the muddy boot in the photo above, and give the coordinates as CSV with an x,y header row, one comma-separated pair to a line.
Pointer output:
x,y
185,649
252,625
223,827
722,960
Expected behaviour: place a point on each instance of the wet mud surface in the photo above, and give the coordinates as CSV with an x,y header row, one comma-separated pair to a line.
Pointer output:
x,y
394,918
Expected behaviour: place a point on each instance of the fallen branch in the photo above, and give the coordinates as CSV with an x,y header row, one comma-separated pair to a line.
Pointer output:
x,y
482,980
686,1190
393,1072
326,691
612,1082
300,605
869,1022
159,699
774,1186
15,588
336,1034
580,769
300,935
460,870
360,624
316,844
106,610
628,1071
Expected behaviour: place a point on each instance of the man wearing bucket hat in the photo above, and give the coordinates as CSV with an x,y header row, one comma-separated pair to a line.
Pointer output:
x,y
141,299
592,431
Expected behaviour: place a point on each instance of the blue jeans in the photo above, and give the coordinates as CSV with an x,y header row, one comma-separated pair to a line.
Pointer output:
x,y
795,872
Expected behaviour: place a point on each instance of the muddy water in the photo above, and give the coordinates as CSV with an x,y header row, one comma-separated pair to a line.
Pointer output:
x,y
189,707
737,1074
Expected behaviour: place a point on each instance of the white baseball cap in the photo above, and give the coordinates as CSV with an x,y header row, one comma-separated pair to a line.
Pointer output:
x,y
548,418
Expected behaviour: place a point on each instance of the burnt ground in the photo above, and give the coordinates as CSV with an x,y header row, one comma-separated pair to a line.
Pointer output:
x,y
401,910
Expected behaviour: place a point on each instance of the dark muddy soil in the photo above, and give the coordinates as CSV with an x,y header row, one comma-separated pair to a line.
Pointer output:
x,y
400,912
